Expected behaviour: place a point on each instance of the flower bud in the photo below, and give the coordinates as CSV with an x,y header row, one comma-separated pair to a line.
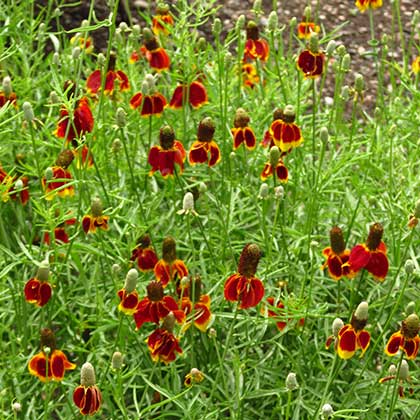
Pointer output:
x,y
17,407
327,411
274,156
323,134
85,23
345,63
101,59
292,23
43,271
46,350
56,59
404,371
136,29
49,174
257,6
410,308
359,83
117,360
19,184
216,27
131,280
201,44
263,194
314,42
279,192
392,370
291,382
123,26
331,46
75,54
240,23
188,202
53,97
409,267
28,112
202,187
116,268
345,93
341,50
212,333
120,117
336,326
361,312
7,86
116,146
118,35
87,375
145,88
273,21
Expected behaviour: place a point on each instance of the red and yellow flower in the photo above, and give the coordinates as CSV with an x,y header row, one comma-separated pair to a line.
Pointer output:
x,y
205,149
285,134
60,234
156,306
95,220
11,186
370,255
193,377
156,55
363,5
82,42
58,179
255,47
241,132
38,290
268,141
49,364
128,295
162,343
353,336
76,125
278,314
195,94
406,339
163,20
250,75
87,395
337,256
275,166
151,104
305,28
169,267
170,152
144,254
311,61
243,286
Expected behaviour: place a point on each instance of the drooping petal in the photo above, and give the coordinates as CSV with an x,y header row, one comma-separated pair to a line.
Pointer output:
x,y
176,101
282,172
198,94
363,341
266,172
411,347
346,345
123,80
214,153
231,287
359,257
377,265
45,292
395,341
162,273
136,100
238,137
38,366
252,293
87,224
93,82
198,152
249,138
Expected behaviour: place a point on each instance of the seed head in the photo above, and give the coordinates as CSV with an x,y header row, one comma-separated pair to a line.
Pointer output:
x,y
87,375
274,156
43,271
291,382
336,326
117,360
131,280
120,117
248,261
28,112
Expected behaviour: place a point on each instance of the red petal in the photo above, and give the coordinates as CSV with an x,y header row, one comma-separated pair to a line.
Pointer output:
x,y
282,172
147,260
136,100
231,287
159,59
335,267
377,265
159,103
123,79
346,346
250,139
198,153
44,293
93,82
359,257
394,343
86,224
252,293
177,97
363,340
198,94
79,396
411,347
266,172
214,153
161,271
238,137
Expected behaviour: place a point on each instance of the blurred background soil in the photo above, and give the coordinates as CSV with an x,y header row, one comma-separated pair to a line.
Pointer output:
x,y
354,30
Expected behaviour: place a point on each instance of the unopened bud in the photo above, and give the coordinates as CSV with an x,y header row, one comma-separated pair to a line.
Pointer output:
x,y
336,326
273,21
202,187
101,59
19,184
212,333
54,99
188,202
124,27
257,6
314,42
136,30
46,350
292,23
331,46
410,308
56,59
16,407
120,117
28,112
291,382
131,280
7,86
150,80
117,360
323,134
75,54
87,375
327,411
116,145
404,370
361,312
345,93
274,156
217,27
341,50
116,268
85,23
240,23
359,83
263,191
201,44
49,174
345,63
279,192
392,370
43,271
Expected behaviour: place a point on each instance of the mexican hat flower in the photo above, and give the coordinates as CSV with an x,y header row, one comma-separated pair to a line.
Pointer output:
x,y
148,101
267,141
205,149
353,336
128,295
114,79
337,255
57,179
241,132
170,152
155,54
169,267
50,363
370,255
84,43
279,313
275,166
163,20
305,28
59,233
311,61
77,122
363,5
87,395
194,94
243,286
255,47
38,290
156,306
403,376
285,134
195,305
13,187
406,339
162,343
95,220
193,377
144,254
7,96
250,76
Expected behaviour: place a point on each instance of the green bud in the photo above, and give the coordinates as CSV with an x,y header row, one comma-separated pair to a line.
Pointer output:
x,y
131,280
28,112
273,21
331,46
359,83
291,382
217,27
120,117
